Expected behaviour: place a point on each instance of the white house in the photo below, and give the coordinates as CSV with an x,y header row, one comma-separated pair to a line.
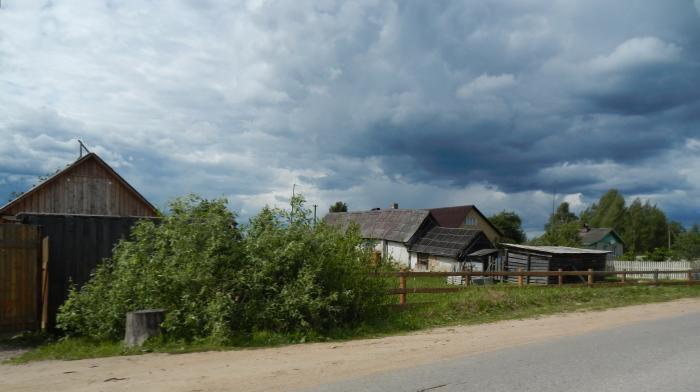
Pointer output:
x,y
414,239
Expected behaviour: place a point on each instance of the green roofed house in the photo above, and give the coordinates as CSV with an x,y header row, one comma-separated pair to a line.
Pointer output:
x,y
603,238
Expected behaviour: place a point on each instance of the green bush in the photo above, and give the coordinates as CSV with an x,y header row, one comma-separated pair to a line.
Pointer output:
x,y
281,273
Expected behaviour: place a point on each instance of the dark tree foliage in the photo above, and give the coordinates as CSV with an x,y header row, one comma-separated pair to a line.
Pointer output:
x,y
562,234
645,228
609,211
561,216
687,245
339,206
510,224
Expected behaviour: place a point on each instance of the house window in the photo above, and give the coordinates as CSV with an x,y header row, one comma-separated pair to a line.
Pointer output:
x,y
422,263
470,222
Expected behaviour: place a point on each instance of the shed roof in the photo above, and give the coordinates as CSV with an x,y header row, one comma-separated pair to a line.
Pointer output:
x,y
594,234
483,252
556,250
393,225
445,241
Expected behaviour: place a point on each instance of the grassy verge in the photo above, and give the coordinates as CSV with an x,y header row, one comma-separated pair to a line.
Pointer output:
x,y
469,306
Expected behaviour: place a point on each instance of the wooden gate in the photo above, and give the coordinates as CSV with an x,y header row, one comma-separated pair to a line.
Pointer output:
x,y
20,277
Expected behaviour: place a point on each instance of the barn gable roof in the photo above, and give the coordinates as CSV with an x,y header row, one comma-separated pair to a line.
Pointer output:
x,y
454,216
396,225
52,179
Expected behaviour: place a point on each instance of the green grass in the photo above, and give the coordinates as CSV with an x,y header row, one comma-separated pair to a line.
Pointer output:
x,y
469,306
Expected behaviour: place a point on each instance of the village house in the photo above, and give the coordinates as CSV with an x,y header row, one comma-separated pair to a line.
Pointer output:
x,y
414,238
602,238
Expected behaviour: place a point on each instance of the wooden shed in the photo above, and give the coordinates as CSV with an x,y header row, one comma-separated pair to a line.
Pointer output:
x,y
77,216
552,258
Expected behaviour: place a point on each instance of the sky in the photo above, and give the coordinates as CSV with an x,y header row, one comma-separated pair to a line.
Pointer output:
x,y
506,104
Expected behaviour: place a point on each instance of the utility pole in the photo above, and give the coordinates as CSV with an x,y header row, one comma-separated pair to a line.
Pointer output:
x,y
315,205
291,216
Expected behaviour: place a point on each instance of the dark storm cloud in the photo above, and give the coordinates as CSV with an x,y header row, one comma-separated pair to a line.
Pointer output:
x,y
433,102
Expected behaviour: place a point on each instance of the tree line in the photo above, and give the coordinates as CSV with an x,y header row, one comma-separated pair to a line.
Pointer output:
x,y
643,226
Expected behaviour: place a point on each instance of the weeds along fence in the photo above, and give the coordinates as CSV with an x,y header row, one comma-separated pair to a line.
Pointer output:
x,y
639,266
589,278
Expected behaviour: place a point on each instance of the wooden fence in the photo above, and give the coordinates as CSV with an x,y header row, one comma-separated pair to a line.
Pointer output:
x,y
589,277
20,293
679,266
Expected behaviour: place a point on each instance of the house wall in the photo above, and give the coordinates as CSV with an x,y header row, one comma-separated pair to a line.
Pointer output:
x,y
397,251
87,189
609,242
482,225
441,263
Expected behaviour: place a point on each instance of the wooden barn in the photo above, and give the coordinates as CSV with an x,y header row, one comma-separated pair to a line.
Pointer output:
x,y
552,258
89,186
74,219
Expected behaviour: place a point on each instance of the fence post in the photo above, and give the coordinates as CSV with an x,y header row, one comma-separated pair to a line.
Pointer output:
x,y
402,285
520,278
560,277
624,275
590,277
656,276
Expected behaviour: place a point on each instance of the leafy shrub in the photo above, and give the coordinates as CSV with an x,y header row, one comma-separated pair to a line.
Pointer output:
x,y
281,273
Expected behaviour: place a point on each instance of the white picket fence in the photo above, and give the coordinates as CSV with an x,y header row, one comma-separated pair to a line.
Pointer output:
x,y
623,265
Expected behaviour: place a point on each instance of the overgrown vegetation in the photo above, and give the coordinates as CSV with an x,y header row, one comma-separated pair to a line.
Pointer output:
x,y
280,274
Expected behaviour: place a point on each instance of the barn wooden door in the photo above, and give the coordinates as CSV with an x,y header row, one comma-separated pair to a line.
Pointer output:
x,y
19,277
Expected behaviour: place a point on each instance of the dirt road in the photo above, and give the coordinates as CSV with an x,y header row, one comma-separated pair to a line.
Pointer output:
x,y
291,367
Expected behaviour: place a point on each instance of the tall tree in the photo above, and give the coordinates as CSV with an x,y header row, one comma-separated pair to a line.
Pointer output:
x,y
510,224
561,216
609,211
687,245
645,227
561,234
339,206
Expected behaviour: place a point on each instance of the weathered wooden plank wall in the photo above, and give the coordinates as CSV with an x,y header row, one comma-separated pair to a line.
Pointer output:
x,y
529,261
19,273
88,189
76,245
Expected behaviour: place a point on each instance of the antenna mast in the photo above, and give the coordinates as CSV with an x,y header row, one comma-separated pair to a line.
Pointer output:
x,y
82,145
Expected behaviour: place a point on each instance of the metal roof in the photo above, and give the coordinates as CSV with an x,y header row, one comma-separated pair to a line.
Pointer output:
x,y
594,234
483,252
557,250
393,225
445,241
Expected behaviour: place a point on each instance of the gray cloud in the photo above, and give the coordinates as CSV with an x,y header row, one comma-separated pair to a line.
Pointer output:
x,y
428,103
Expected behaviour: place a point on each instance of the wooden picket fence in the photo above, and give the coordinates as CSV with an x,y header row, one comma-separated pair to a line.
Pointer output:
x,y
633,265
625,278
